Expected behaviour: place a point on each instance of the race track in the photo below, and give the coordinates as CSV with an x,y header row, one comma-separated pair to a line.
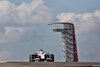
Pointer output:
x,y
50,64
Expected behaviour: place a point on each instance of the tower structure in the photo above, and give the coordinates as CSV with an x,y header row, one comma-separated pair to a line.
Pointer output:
x,y
69,47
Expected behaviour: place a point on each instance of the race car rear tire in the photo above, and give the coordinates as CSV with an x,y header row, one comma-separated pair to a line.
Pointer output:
x,y
52,56
31,58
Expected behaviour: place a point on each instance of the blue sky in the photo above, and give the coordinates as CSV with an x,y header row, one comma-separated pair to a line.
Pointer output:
x,y
24,28
77,6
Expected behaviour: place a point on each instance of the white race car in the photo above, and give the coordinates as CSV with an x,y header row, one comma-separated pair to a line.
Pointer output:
x,y
41,56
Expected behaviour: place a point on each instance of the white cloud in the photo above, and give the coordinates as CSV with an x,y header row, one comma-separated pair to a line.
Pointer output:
x,y
66,16
35,12
22,29
83,22
18,27
10,34
5,55
17,21
14,34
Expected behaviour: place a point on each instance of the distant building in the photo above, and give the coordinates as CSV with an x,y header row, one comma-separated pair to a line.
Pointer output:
x,y
69,47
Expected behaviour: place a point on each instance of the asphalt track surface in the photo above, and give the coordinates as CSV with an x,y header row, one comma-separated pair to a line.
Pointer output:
x,y
50,64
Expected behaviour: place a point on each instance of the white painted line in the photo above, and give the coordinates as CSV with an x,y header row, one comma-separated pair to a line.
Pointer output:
x,y
3,61
96,65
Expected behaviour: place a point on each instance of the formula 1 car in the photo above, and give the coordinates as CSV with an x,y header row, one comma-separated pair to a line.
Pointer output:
x,y
41,56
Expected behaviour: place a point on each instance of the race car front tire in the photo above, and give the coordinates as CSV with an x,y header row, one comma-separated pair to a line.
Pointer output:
x,y
52,58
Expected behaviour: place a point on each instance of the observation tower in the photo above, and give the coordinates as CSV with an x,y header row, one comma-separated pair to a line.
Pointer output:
x,y
69,47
